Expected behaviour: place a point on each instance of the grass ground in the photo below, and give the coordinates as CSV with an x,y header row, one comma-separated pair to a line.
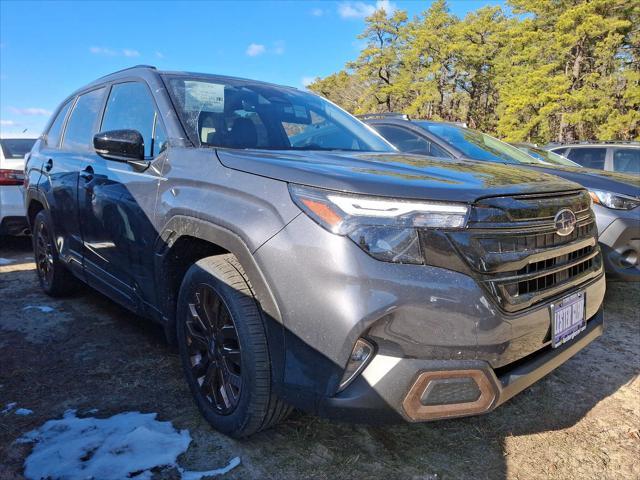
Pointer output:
x,y
581,421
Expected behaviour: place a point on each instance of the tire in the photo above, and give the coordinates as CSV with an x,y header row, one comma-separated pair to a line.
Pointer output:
x,y
223,348
53,276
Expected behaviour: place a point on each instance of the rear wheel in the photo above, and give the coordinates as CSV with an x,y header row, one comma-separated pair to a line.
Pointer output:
x,y
53,276
223,348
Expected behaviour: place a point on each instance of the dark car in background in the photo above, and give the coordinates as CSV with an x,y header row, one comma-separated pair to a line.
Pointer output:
x,y
622,157
616,197
298,259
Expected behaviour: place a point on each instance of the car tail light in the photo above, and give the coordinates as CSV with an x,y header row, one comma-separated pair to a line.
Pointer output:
x,y
11,177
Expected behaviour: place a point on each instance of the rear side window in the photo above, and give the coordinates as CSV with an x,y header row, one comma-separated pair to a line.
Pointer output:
x,y
626,160
407,141
55,132
16,147
80,127
590,157
131,107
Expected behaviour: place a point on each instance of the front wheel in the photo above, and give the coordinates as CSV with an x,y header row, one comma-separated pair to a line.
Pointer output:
x,y
223,348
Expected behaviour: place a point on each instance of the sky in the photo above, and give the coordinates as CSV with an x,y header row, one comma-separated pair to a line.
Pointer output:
x,y
49,49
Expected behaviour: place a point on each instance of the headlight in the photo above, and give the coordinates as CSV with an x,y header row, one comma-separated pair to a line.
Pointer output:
x,y
385,228
614,200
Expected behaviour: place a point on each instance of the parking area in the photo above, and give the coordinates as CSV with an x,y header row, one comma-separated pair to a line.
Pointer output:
x,y
84,352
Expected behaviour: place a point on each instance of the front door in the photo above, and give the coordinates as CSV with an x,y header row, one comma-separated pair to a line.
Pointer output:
x,y
117,201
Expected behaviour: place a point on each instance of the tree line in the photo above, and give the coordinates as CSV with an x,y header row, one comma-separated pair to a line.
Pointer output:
x,y
539,71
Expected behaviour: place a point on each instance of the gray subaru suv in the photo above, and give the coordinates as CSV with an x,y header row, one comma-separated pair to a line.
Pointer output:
x,y
298,260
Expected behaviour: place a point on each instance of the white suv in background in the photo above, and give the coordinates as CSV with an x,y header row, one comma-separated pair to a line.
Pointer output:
x,y
13,219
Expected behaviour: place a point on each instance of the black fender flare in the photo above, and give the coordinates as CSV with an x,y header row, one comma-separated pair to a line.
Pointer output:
x,y
183,225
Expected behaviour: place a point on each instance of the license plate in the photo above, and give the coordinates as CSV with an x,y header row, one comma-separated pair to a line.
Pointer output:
x,y
567,319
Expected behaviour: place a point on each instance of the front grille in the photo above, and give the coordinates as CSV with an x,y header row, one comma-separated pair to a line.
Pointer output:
x,y
519,257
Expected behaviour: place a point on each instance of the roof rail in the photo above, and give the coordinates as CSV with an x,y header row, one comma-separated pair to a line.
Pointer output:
x,y
379,116
596,142
130,68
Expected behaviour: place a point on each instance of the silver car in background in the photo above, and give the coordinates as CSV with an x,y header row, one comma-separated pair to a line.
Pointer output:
x,y
621,157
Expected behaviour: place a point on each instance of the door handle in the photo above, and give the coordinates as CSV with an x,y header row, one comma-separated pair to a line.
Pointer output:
x,y
48,165
87,173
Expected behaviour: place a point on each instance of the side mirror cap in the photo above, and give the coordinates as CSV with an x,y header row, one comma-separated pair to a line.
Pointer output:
x,y
123,145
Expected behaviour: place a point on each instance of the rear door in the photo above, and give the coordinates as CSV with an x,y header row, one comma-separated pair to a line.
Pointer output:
x,y
117,200
62,156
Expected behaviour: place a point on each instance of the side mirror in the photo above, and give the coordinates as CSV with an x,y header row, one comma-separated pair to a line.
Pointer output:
x,y
123,145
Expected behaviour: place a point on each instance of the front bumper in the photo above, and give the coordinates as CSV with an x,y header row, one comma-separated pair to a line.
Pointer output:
x,y
329,293
389,388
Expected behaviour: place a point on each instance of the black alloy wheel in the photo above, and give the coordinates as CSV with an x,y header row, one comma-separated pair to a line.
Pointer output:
x,y
214,349
43,251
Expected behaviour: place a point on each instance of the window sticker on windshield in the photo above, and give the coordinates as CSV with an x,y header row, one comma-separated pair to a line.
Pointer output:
x,y
204,96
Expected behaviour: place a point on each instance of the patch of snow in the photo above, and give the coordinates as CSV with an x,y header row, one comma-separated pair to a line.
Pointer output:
x,y
8,407
191,475
5,261
42,308
23,411
126,445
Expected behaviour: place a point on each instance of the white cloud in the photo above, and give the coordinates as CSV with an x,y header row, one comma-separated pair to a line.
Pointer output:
x,y
361,9
103,51
306,81
255,49
159,55
7,123
31,111
110,52
317,12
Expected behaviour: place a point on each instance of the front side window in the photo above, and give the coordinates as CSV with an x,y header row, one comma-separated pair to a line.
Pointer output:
x,y
590,157
81,125
55,132
130,107
410,142
235,113
626,160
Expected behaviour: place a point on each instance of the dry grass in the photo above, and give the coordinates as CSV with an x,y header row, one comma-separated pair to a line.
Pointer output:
x,y
581,421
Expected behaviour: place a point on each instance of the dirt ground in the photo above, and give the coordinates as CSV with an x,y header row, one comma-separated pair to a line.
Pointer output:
x,y
582,421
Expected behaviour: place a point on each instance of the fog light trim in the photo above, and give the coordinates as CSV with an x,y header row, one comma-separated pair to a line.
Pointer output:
x,y
362,353
417,411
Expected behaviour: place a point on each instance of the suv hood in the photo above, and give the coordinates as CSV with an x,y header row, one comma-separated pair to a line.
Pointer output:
x,y
394,174
597,179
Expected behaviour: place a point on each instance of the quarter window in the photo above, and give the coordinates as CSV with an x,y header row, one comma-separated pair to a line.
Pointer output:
x,y
590,157
131,107
55,132
80,127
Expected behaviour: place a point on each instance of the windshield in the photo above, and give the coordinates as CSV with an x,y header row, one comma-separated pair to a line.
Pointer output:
x,y
478,146
234,113
548,156
16,147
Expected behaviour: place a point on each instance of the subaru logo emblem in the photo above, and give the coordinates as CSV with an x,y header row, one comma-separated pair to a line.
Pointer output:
x,y
565,222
